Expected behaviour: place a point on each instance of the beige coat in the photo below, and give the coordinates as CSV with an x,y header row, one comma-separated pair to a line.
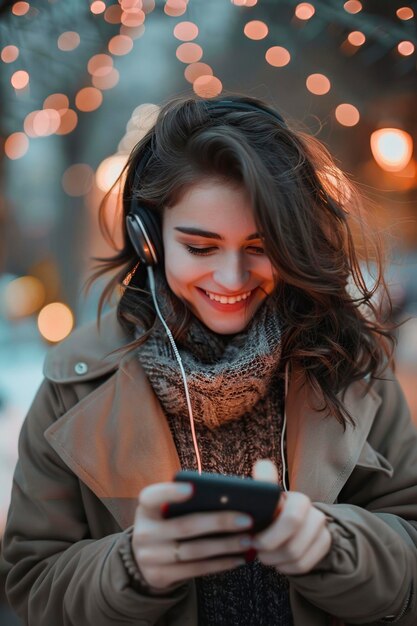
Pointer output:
x,y
93,439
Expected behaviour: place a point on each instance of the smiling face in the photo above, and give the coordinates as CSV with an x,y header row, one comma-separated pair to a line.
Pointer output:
x,y
228,261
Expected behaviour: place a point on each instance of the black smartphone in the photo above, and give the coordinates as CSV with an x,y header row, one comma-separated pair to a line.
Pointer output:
x,y
216,492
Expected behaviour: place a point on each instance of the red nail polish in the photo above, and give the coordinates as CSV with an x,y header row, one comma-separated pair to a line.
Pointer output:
x,y
250,555
164,509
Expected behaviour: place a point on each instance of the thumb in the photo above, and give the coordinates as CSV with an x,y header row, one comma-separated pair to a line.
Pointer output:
x,y
264,469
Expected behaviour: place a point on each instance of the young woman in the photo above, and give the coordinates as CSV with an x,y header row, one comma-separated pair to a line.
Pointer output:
x,y
244,342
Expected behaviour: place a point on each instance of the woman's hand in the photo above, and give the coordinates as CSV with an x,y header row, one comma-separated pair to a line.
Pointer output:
x,y
298,538
164,558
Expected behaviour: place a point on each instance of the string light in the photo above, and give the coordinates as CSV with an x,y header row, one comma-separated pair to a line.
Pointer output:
x,y
20,79
88,99
16,145
304,11
55,321
175,8
194,70
97,7
391,148
20,8
189,52
277,56
318,84
120,45
186,31
406,48
405,13
256,30
207,86
352,6
347,114
356,38
9,54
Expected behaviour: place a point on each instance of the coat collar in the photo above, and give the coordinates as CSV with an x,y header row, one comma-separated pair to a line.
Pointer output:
x,y
117,439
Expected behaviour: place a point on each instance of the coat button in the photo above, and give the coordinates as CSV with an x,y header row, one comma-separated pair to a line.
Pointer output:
x,y
81,368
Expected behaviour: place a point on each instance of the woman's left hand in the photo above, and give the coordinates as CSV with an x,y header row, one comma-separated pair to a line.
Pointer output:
x,y
298,538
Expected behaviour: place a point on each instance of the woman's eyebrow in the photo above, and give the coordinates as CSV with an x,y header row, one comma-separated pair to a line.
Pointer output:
x,y
189,230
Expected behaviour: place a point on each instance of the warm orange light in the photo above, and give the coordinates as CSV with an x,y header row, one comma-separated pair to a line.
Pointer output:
x,y
68,41
133,19
143,118
186,31
347,114
55,321
20,79
207,86
97,7
16,145
28,124
77,179
120,44
277,56
353,6
194,70
88,99
69,121
318,84
113,14
109,171
132,32
405,13
108,81
356,38
406,48
189,52
130,5
304,11
46,122
23,297
148,6
9,54
256,30
336,185
391,148
100,65
20,8
175,8
57,101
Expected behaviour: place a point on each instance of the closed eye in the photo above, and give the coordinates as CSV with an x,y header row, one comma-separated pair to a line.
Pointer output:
x,y
206,251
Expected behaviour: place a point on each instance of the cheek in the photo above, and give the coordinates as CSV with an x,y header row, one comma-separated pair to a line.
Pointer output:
x,y
179,268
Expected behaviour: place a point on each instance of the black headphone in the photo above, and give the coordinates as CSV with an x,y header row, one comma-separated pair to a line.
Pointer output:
x,y
141,223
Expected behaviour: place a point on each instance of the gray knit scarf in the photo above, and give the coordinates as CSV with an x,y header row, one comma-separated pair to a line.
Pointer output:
x,y
226,374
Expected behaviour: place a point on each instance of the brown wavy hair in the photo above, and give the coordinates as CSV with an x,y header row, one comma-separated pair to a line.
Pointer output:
x,y
335,326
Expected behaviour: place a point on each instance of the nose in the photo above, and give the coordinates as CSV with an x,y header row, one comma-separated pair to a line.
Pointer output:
x,y
232,275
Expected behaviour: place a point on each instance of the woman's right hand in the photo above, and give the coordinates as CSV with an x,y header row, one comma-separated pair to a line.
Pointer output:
x,y
164,558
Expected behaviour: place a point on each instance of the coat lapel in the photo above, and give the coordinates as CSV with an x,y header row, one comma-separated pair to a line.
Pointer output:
x,y
321,456
117,440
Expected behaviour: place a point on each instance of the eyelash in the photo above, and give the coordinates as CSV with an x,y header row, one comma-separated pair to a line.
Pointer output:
x,y
206,251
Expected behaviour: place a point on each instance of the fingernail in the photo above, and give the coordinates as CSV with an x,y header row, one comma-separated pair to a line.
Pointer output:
x,y
186,489
243,520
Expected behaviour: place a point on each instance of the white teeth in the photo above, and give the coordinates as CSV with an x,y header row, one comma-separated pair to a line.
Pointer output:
x,y
225,300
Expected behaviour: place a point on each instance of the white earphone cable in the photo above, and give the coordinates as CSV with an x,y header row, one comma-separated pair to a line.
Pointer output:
x,y
178,357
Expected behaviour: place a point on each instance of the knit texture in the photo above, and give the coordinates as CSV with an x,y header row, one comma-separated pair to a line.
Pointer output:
x,y
241,372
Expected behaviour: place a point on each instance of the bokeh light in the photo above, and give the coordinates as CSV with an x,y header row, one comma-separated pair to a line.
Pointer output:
x,y
23,296
189,52
46,122
113,14
133,33
57,101
356,38
109,171
405,13
108,81
97,7
9,54
391,148
406,48
20,8
194,70
207,86
120,44
304,11
100,65
256,30
347,114
68,41
55,321
69,121
16,145
353,6
318,84
20,79
186,31
88,99
175,8
133,19
278,56
77,179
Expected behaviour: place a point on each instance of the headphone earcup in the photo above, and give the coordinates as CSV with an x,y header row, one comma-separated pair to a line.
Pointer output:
x,y
144,230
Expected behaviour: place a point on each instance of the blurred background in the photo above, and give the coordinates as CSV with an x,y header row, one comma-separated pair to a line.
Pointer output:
x,y
80,82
